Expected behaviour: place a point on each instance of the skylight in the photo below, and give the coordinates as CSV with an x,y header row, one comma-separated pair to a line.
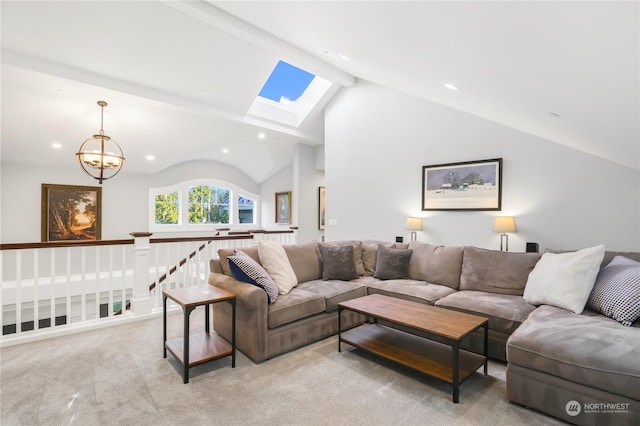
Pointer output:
x,y
286,83
288,95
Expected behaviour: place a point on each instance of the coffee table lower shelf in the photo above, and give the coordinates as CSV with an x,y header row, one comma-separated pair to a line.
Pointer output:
x,y
203,347
427,356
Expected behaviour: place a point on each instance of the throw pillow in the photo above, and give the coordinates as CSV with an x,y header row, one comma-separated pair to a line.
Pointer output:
x,y
244,268
392,263
337,262
617,291
564,280
357,252
274,259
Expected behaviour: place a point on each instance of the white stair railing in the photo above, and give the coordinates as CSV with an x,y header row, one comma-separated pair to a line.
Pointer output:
x,y
60,287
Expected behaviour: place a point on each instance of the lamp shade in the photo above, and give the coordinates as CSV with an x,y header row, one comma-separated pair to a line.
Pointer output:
x,y
504,224
414,223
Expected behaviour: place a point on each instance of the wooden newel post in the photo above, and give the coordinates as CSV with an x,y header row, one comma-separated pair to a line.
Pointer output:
x,y
141,302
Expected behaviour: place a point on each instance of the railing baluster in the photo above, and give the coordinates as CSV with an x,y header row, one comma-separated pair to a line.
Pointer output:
x,y
123,283
68,286
52,286
97,285
110,284
36,292
83,284
19,292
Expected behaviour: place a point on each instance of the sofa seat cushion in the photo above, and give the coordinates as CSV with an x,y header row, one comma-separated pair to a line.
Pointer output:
x,y
588,348
295,305
334,291
417,291
505,311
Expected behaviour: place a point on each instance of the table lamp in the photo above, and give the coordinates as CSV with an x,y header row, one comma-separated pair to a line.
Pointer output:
x,y
414,224
504,224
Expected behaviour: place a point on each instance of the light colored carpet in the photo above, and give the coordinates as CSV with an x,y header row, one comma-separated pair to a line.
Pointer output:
x,y
117,376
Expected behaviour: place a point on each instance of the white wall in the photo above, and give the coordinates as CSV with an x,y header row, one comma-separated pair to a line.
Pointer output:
x,y
280,182
377,140
307,180
124,201
124,198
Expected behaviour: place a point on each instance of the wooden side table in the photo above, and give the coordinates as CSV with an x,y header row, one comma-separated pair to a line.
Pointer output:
x,y
195,349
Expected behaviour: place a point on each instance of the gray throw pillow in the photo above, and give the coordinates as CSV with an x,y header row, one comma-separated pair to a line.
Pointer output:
x,y
392,264
338,262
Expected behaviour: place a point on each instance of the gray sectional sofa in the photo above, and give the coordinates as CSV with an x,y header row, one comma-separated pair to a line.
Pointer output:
x,y
554,356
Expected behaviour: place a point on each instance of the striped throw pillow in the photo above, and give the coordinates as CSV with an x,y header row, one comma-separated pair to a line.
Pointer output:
x,y
616,293
244,268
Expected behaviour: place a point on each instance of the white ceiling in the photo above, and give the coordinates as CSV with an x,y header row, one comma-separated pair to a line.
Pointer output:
x,y
180,76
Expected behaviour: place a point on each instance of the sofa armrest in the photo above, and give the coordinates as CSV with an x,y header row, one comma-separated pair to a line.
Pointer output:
x,y
251,297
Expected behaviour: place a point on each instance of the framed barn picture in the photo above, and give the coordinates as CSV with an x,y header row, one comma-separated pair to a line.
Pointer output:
x,y
472,185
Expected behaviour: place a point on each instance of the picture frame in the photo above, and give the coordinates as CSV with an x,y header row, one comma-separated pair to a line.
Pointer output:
x,y
469,185
321,208
71,213
283,207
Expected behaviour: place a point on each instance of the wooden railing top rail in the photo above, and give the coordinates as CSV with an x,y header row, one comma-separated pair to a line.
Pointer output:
x,y
22,246
54,244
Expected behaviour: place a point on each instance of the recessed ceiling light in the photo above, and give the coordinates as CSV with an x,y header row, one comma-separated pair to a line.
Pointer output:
x,y
56,145
450,86
261,136
345,57
151,157
225,151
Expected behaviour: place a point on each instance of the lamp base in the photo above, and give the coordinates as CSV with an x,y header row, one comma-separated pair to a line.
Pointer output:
x,y
506,242
414,236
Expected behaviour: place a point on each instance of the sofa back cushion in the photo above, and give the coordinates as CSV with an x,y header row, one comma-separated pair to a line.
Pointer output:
x,y
369,256
305,261
496,271
436,264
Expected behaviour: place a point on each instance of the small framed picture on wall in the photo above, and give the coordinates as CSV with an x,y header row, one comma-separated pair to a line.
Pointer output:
x,y
283,207
321,193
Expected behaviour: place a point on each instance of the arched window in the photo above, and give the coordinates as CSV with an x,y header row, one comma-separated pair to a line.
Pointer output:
x,y
202,205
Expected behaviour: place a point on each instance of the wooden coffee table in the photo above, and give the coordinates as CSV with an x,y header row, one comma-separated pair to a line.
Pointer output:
x,y
442,359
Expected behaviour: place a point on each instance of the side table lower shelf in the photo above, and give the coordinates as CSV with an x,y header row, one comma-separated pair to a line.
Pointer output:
x,y
203,347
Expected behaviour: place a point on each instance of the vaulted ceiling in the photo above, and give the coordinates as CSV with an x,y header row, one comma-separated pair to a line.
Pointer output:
x,y
180,77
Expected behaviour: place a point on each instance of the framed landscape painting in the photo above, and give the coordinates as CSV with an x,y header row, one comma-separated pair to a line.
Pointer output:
x,y
283,207
471,185
71,213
